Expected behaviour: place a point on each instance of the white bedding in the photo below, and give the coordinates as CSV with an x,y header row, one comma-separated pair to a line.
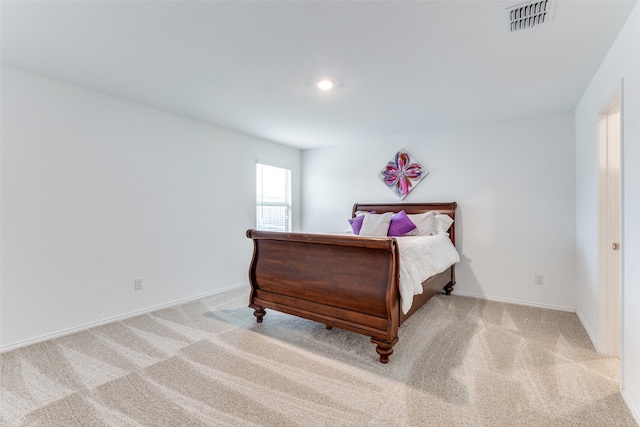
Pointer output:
x,y
420,258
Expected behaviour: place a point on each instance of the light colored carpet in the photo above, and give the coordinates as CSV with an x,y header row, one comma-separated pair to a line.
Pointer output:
x,y
460,361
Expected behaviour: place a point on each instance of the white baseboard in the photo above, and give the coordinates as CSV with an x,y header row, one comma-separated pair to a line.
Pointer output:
x,y
635,412
115,319
514,301
586,328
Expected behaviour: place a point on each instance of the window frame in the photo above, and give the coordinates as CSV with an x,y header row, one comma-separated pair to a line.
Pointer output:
x,y
284,202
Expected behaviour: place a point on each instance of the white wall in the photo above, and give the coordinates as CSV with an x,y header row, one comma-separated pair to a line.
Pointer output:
x,y
97,191
622,62
514,182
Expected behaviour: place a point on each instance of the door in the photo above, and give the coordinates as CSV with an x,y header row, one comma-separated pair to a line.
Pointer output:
x,y
609,237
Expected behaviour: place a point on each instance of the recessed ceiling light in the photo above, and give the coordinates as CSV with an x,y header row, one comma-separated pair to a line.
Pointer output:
x,y
324,84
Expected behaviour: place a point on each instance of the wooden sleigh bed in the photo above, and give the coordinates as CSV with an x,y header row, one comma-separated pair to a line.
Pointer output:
x,y
351,282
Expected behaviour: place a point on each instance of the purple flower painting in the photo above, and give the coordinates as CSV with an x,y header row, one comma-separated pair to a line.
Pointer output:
x,y
402,174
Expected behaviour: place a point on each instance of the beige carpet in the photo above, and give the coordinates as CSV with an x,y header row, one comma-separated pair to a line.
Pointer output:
x,y
460,361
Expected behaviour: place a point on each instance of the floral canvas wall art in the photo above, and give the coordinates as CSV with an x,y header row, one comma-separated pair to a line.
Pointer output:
x,y
402,174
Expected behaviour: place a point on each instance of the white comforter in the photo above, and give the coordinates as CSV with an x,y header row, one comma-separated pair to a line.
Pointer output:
x,y
420,258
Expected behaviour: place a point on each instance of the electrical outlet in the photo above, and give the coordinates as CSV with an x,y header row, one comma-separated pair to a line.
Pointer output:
x,y
538,279
137,284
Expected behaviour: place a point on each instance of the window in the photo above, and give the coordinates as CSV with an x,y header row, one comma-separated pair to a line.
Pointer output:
x,y
273,201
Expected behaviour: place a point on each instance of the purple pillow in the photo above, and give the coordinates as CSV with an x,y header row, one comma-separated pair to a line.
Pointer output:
x,y
400,224
356,223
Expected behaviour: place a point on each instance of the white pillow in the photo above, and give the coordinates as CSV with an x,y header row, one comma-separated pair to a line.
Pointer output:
x,y
376,225
443,223
425,224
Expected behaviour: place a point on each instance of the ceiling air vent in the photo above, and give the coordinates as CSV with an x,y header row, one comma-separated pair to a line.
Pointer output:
x,y
529,14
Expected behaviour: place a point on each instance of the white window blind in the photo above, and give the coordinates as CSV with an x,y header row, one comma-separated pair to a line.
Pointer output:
x,y
273,201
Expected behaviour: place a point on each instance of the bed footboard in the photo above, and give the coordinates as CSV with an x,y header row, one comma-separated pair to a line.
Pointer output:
x,y
339,280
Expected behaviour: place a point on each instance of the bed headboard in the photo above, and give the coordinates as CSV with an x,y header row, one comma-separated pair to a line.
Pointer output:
x,y
411,208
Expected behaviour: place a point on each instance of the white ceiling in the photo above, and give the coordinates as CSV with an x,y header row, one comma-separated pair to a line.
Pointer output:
x,y
400,67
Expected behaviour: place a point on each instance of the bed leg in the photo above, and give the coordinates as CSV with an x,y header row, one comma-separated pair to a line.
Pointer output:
x,y
384,349
452,283
259,312
329,327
